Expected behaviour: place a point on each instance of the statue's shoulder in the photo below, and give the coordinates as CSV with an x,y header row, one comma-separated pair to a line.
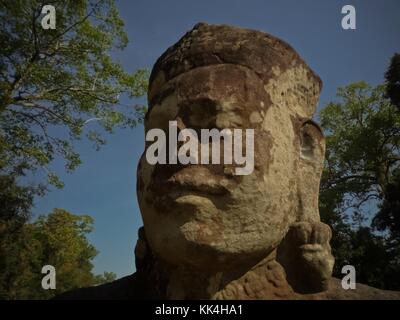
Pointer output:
x,y
361,292
129,287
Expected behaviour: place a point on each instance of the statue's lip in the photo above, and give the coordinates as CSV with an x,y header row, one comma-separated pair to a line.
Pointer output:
x,y
184,187
213,189
190,178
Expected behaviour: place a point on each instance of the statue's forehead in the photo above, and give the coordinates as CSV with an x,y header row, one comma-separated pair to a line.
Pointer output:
x,y
221,44
222,82
285,76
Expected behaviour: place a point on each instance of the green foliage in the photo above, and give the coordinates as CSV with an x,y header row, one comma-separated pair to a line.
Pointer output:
x,y
368,254
360,183
105,277
58,239
388,217
56,86
54,83
16,202
363,145
392,77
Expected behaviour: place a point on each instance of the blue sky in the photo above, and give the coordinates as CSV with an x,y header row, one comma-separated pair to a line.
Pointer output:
x,y
104,185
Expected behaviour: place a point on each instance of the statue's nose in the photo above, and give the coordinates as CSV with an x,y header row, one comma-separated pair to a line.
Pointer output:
x,y
180,126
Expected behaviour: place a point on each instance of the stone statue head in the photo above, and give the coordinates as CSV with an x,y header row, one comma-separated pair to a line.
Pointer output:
x,y
204,215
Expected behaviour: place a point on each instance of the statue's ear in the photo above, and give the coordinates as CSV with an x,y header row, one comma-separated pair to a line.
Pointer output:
x,y
311,161
312,144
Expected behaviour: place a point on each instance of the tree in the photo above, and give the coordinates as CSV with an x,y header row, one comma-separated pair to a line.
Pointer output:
x,y
369,255
55,83
58,239
392,77
360,183
16,202
363,145
105,277
388,216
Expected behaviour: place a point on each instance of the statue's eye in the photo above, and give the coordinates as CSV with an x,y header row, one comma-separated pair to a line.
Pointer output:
x,y
199,114
160,115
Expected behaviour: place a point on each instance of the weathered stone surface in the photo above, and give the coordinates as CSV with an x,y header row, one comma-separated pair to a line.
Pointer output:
x,y
209,234
202,216
154,279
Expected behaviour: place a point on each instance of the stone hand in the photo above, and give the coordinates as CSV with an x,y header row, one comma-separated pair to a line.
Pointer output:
x,y
307,253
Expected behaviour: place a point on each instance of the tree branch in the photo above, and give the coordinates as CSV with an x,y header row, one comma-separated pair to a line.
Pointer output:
x,y
47,110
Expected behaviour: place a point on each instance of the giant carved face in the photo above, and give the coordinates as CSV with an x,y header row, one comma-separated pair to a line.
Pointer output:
x,y
204,215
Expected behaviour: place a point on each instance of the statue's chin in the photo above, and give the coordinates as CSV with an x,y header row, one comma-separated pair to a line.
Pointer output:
x,y
194,250
194,231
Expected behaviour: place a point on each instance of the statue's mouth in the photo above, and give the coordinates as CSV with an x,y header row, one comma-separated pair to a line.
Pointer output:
x,y
189,180
195,187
